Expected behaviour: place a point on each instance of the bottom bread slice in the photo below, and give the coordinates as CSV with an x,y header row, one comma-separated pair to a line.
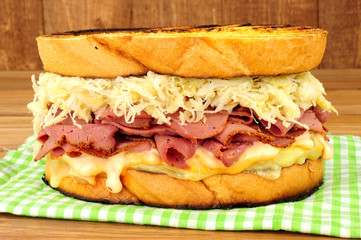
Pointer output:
x,y
218,191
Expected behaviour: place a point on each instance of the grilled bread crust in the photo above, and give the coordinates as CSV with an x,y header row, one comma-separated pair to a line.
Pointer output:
x,y
219,191
201,52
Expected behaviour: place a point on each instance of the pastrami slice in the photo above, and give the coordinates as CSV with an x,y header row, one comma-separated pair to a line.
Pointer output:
x,y
174,151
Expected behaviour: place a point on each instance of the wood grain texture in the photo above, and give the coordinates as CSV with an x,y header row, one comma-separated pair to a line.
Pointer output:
x,y
342,19
295,12
342,86
65,15
339,79
20,22
17,227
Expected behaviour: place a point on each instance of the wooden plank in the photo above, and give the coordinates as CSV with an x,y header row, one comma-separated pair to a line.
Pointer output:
x,y
16,121
20,22
345,101
344,125
342,19
13,102
19,227
295,12
14,134
13,131
60,16
339,79
72,15
16,79
175,13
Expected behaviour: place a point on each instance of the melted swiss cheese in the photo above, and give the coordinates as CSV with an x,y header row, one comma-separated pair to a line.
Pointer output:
x,y
262,159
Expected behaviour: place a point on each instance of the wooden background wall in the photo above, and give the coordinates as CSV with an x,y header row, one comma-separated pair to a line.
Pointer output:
x,y
22,20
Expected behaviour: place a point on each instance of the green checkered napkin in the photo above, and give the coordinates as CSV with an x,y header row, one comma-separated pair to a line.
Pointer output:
x,y
333,210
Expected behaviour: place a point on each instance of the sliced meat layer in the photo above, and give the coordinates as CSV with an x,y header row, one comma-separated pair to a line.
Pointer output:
x,y
242,115
142,120
242,132
153,130
309,118
174,151
214,123
278,129
224,134
133,145
96,136
281,142
121,145
227,154
321,114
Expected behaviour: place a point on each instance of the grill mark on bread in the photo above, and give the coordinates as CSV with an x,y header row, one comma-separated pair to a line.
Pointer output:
x,y
240,63
189,29
120,53
216,200
132,180
183,58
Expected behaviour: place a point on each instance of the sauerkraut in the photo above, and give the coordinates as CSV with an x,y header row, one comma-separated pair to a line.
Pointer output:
x,y
271,98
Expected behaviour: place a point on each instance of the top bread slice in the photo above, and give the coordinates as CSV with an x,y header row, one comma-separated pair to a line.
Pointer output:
x,y
200,52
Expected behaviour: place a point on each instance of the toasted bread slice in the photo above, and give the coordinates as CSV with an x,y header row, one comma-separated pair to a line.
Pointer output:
x,y
202,52
218,191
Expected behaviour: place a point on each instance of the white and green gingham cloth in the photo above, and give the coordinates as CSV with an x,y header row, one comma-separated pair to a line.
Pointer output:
x,y
334,210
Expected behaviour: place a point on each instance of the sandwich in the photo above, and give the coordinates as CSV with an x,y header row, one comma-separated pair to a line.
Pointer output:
x,y
184,117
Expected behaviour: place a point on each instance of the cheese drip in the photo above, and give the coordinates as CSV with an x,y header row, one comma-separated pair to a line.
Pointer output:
x,y
262,159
